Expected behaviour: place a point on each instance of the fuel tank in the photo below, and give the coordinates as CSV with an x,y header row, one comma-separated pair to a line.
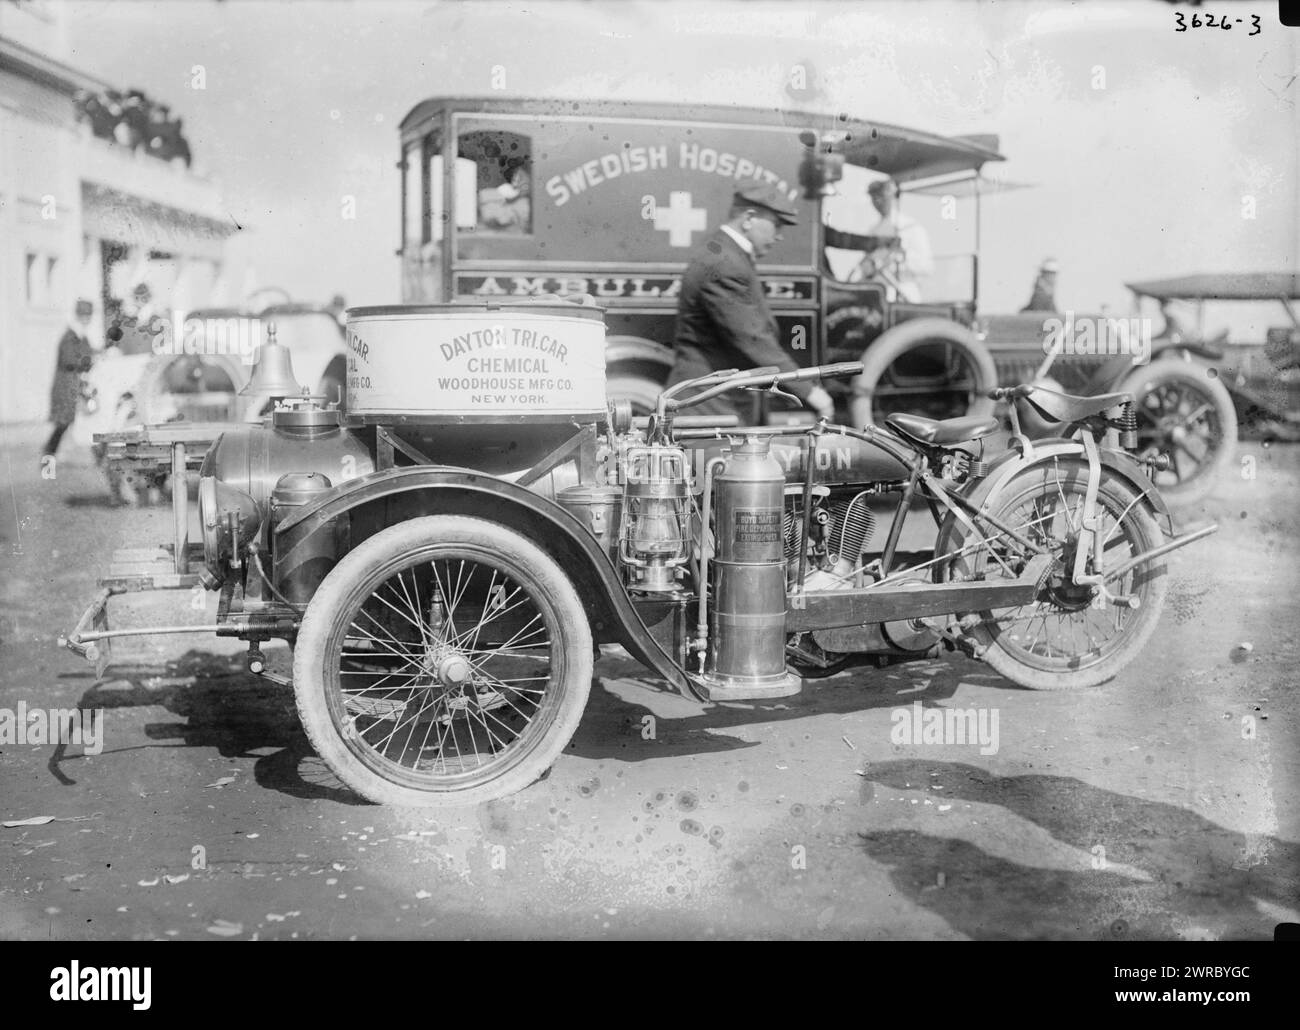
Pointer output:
x,y
252,458
839,460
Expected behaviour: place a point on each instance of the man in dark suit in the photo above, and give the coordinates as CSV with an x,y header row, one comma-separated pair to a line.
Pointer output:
x,y
1044,295
74,359
722,316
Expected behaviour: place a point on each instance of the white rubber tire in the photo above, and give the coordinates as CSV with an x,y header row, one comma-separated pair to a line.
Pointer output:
x,y
362,571
894,343
642,393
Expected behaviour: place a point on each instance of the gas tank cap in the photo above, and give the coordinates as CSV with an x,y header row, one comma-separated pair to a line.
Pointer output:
x,y
305,421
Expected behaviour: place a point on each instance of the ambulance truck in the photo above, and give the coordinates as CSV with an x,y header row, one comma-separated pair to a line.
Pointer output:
x,y
509,199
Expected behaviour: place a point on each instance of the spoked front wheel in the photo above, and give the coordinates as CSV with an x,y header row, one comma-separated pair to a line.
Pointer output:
x,y
444,661
1064,637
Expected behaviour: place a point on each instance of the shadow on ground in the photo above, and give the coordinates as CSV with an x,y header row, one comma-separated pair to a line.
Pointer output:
x,y
219,706
1201,877
612,727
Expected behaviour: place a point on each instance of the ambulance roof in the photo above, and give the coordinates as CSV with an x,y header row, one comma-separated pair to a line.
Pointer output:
x,y
901,153
1222,286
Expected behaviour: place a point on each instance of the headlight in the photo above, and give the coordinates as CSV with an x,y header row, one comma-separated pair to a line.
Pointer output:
x,y
230,519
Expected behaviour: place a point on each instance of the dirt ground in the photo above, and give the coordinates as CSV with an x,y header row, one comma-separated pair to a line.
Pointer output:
x,y
1162,805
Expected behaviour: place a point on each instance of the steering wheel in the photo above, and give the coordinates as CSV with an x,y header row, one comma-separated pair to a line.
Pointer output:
x,y
867,268
867,272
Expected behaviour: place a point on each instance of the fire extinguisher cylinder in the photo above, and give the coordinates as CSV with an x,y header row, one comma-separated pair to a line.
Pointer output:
x,y
747,624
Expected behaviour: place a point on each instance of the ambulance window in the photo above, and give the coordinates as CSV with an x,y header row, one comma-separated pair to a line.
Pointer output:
x,y
501,201
466,171
463,200
432,199
412,198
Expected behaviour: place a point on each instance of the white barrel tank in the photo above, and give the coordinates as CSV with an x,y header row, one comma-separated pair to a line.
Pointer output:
x,y
473,361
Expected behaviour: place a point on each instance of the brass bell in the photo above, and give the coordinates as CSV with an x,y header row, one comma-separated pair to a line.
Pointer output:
x,y
273,373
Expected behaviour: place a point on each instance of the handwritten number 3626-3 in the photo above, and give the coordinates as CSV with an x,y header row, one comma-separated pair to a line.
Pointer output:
x,y
1211,22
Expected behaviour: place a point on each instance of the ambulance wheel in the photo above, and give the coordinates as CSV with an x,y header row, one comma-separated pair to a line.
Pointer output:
x,y
924,366
444,661
639,391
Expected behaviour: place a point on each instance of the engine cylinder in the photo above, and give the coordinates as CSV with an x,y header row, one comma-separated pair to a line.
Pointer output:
x,y
252,458
246,464
747,624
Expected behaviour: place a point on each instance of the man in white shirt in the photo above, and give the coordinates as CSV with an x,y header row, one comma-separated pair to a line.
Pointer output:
x,y
508,208
897,247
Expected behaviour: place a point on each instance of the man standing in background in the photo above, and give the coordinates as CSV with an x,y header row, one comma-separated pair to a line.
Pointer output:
x,y
1044,294
142,332
722,316
74,359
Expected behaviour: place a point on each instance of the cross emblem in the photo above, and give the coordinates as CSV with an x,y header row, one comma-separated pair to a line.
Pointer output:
x,y
679,219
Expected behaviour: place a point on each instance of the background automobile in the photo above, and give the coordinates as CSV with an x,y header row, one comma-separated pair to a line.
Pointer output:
x,y
203,387
1193,391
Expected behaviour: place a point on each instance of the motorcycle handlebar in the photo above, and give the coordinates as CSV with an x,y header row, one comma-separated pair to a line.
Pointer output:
x,y
724,382
836,371
770,374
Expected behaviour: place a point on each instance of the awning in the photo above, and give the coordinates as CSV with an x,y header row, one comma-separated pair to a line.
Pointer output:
x,y
35,66
112,215
964,186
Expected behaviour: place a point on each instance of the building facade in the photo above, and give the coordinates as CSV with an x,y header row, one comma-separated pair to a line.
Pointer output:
x,y
81,215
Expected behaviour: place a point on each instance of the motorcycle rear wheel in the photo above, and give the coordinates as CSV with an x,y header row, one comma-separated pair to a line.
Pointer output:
x,y
1060,640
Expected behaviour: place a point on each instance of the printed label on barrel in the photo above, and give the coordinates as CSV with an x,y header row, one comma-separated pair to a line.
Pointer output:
x,y
507,364
757,526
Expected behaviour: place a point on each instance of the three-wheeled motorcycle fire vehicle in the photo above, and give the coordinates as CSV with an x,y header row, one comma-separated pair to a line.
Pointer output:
x,y
446,555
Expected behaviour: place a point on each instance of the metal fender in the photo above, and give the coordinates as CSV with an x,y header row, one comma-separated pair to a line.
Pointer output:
x,y
455,491
1110,375
1117,463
